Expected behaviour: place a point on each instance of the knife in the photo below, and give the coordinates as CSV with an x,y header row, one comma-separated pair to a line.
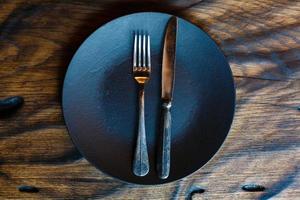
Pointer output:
x,y
167,84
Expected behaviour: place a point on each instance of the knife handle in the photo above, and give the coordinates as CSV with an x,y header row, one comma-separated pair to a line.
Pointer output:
x,y
164,163
141,160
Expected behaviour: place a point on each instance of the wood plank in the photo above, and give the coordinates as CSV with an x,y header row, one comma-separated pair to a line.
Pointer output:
x,y
261,40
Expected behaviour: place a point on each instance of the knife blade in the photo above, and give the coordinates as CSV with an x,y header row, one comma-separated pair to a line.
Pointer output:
x,y
168,63
167,85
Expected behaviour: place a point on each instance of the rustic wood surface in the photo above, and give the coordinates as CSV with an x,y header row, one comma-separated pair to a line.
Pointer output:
x,y
261,40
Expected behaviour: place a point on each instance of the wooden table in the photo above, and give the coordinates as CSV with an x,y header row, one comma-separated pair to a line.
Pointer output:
x,y
261,40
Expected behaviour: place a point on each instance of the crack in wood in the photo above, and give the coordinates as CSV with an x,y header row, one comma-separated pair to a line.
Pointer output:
x,y
28,188
193,191
10,104
253,188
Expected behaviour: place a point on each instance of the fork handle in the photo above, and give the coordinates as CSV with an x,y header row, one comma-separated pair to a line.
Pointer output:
x,y
141,160
165,149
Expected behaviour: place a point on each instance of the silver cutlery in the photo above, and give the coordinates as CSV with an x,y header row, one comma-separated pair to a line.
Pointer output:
x,y
167,84
141,72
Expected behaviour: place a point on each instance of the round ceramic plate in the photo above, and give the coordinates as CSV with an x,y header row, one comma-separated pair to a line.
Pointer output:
x,y
100,98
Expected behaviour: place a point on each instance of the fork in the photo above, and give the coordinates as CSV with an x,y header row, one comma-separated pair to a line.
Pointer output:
x,y
141,72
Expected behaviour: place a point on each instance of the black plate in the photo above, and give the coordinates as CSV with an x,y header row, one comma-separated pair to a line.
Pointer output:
x,y
100,99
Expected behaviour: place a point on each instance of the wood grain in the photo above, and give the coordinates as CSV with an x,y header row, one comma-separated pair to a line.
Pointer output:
x,y
261,40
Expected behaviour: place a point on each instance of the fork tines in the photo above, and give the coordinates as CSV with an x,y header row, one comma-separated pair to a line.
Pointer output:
x,y
141,54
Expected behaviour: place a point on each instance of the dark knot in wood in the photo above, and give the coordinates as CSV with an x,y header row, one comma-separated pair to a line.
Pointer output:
x,y
253,188
194,190
11,103
27,188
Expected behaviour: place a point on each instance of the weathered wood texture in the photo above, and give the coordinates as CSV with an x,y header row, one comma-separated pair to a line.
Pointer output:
x,y
262,42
